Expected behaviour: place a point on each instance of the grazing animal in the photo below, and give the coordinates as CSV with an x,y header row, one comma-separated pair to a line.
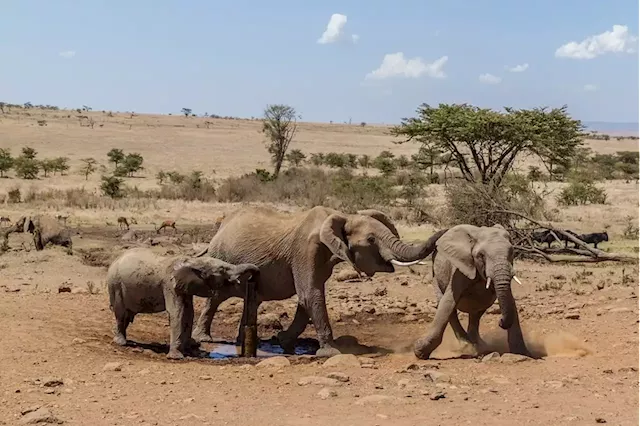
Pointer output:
x,y
139,281
296,254
62,219
4,219
122,221
547,237
595,238
167,224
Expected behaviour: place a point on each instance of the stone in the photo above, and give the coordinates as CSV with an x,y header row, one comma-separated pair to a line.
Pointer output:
x,y
369,310
64,289
341,377
346,275
376,399
438,395
342,360
572,316
316,380
112,366
274,362
205,377
52,382
509,358
326,393
271,321
41,415
492,357
436,376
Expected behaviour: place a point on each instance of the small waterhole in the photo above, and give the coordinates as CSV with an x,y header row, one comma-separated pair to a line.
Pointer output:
x,y
266,348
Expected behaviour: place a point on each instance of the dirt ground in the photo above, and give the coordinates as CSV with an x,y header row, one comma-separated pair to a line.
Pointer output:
x,y
56,351
57,361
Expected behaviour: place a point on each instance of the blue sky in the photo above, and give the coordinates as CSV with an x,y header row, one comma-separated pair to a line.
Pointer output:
x,y
233,58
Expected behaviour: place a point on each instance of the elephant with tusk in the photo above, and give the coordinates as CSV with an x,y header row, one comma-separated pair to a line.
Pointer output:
x,y
472,266
296,254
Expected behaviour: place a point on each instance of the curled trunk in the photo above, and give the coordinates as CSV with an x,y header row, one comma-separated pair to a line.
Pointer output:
x,y
403,252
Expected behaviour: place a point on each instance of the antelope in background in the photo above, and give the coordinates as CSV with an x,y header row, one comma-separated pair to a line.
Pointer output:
x,y
4,219
167,224
122,221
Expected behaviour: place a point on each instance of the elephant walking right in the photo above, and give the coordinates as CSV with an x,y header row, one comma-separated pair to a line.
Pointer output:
x,y
296,254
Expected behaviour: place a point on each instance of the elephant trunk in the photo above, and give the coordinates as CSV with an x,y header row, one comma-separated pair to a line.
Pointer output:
x,y
404,254
502,281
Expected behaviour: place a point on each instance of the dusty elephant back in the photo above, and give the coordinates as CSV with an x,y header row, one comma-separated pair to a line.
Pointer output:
x,y
135,279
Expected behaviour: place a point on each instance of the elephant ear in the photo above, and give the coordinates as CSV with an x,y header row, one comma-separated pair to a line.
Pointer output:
x,y
381,217
29,225
332,236
457,245
188,279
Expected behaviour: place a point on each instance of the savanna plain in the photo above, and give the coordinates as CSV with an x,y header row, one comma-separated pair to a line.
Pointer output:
x,y
56,350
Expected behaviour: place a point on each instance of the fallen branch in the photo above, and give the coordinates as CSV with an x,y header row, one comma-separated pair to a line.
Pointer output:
x,y
596,254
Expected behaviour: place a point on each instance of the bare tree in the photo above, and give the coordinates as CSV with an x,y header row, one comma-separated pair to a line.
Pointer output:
x,y
279,125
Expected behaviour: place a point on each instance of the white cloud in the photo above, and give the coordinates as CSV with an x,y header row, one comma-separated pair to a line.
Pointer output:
x,y
68,54
489,79
335,30
590,87
615,41
518,68
395,65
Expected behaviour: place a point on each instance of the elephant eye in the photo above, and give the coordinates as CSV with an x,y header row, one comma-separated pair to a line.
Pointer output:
x,y
371,239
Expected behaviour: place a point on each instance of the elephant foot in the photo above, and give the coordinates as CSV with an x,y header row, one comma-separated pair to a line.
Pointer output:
x,y
120,340
422,348
193,343
328,351
175,354
202,337
287,344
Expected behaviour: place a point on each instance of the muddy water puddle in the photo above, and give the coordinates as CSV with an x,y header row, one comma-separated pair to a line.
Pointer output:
x,y
266,348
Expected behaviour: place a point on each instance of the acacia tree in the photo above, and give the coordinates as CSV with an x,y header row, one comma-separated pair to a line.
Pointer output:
x,y
484,143
279,125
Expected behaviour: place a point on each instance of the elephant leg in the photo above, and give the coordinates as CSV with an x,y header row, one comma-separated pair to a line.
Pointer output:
x,y
202,332
175,306
240,337
458,330
315,305
447,305
122,322
473,330
516,339
188,342
287,338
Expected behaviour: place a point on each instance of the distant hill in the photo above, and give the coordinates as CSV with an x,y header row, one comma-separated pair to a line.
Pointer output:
x,y
630,129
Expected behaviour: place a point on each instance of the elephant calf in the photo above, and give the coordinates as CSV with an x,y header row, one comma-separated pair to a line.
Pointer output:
x,y
140,281
45,230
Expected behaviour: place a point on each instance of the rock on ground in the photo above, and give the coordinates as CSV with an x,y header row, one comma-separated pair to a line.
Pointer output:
x,y
112,366
342,360
316,380
40,416
276,362
326,393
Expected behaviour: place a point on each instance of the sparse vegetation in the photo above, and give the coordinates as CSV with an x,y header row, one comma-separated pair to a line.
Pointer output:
x,y
88,167
279,126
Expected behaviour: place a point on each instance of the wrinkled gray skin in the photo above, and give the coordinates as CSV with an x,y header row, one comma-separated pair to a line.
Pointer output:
x,y
296,254
465,257
139,281
45,230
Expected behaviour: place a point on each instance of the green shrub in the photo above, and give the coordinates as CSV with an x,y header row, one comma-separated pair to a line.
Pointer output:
x,y
581,193
112,186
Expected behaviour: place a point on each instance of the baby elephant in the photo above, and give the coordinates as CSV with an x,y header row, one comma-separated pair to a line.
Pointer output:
x,y
140,281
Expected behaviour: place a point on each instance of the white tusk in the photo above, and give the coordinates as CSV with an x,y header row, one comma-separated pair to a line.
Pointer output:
x,y
488,282
422,263
517,280
398,263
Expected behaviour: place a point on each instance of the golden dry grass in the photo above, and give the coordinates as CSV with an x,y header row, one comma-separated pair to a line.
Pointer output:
x,y
228,147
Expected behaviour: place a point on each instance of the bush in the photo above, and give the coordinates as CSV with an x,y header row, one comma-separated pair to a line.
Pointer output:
x,y
360,192
581,193
112,186
364,161
26,167
14,196
317,159
295,157
335,160
192,187
6,161
477,204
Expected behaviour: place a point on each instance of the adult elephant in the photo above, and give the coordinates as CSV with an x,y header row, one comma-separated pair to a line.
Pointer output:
x,y
45,229
296,254
472,266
